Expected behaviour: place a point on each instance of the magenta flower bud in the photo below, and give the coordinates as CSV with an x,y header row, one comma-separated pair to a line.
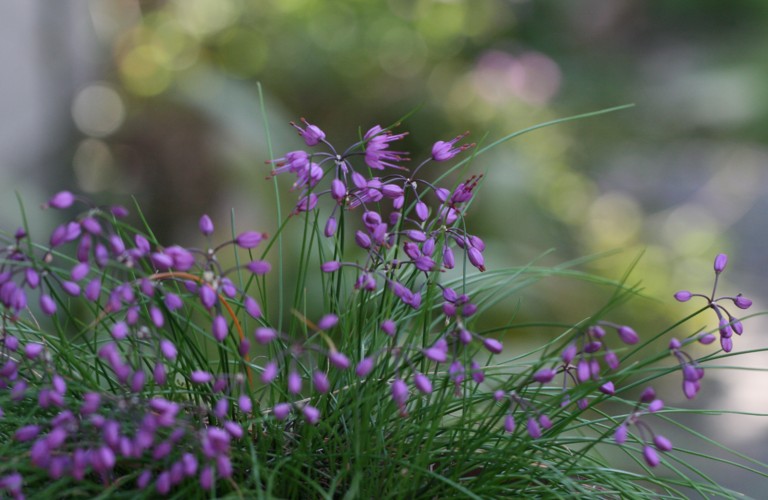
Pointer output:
x,y
611,359
742,302
270,372
569,353
509,423
207,296
249,239
245,404
478,375
365,366
720,262
281,410
620,436
726,343
683,296
422,383
200,377
422,211
10,342
707,338
311,414
608,388
32,277
311,134
330,227
156,315
662,443
593,347
362,240
628,335
252,307
71,288
206,225
650,456
338,190
168,349
737,327
294,382
320,382
596,331
655,405
264,335
476,258
206,477
327,322
389,327
33,350
338,360
443,151
493,345
259,267
725,328
330,266
61,200
648,395
545,422
544,375
159,374
399,392
26,433
137,381
534,430
691,388
119,330
674,344
449,261
582,370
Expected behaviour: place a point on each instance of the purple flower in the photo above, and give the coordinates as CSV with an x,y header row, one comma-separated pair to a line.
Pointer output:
x,y
311,414
662,443
365,366
608,388
61,200
219,328
200,377
311,134
389,327
720,262
400,393
294,382
281,410
742,302
628,335
338,360
270,372
264,335
320,382
330,266
259,267
683,296
252,307
620,436
544,375
422,383
509,423
205,225
442,151
493,345
327,322
534,430
249,239
377,154
650,456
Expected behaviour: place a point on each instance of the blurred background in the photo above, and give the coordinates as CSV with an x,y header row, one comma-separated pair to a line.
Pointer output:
x,y
159,100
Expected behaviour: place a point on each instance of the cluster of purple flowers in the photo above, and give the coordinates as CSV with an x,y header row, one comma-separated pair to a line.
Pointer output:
x,y
151,415
135,291
728,324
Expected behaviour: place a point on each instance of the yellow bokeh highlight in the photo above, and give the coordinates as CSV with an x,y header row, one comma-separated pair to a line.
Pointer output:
x,y
144,70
